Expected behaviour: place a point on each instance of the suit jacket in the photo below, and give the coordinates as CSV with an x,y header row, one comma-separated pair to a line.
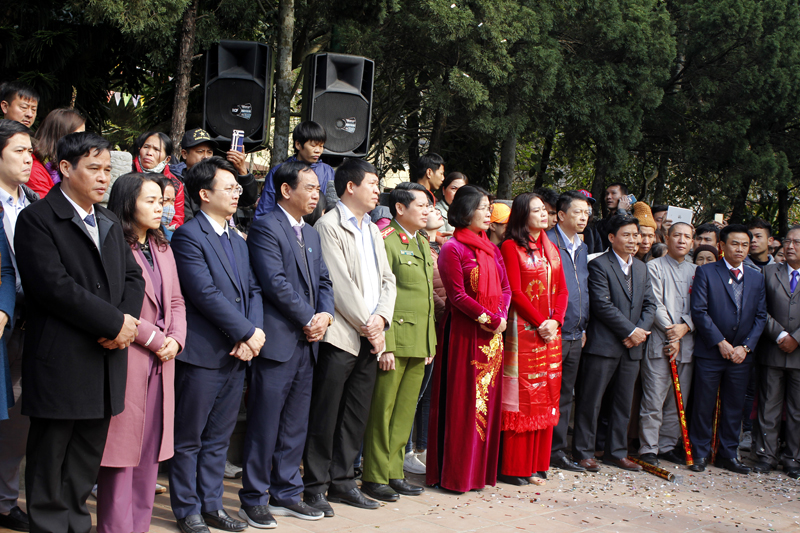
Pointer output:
x,y
576,275
340,252
286,284
74,295
614,314
714,309
126,431
413,332
783,314
214,320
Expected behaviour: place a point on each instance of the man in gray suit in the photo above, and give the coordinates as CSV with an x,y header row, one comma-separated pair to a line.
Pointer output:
x,y
622,310
779,376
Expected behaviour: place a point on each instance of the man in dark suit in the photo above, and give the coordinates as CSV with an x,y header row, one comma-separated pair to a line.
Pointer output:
x,y
622,310
84,292
729,312
779,356
224,316
298,308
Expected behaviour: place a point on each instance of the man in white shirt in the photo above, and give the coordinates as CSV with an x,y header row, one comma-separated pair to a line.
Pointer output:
x,y
344,377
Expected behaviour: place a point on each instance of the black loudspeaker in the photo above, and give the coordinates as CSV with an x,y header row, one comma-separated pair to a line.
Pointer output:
x,y
337,93
238,92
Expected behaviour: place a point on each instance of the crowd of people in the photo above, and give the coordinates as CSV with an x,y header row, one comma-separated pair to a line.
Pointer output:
x,y
431,329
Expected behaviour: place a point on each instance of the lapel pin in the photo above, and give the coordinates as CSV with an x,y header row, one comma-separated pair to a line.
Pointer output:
x,y
730,282
309,249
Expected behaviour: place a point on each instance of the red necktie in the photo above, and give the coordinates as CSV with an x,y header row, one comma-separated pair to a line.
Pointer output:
x,y
735,272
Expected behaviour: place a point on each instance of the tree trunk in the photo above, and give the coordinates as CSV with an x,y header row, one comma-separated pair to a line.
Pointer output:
x,y
601,165
661,180
783,211
280,143
508,161
740,201
439,123
545,161
183,76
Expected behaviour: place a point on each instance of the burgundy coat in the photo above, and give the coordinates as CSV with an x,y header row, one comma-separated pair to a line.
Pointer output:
x,y
124,443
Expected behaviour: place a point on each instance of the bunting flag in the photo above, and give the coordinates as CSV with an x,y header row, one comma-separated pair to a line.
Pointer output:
x,y
126,98
136,100
117,97
687,446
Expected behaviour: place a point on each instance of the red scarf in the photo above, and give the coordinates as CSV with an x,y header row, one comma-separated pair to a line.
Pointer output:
x,y
490,293
547,248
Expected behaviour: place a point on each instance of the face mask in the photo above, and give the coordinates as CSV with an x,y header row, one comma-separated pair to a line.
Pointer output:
x,y
167,215
158,169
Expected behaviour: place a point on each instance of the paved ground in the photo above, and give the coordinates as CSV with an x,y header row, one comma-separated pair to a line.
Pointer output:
x,y
610,501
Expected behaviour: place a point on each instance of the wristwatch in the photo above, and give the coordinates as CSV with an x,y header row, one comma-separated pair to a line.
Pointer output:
x,y
746,348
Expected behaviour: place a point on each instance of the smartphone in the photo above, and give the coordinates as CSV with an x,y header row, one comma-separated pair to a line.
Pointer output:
x,y
237,140
631,199
718,218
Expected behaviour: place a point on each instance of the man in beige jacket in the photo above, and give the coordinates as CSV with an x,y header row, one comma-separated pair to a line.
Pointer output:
x,y
344,376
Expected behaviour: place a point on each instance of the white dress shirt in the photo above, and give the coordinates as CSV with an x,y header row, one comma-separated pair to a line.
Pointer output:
x,y
571,246
219,230
93,230
623,265
740,267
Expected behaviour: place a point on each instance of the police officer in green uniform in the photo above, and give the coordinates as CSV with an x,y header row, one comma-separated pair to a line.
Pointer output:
x,y
410,345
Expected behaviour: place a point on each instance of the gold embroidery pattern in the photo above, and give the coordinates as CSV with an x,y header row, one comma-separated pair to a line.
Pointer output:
x,y
487,373
474,274
484,318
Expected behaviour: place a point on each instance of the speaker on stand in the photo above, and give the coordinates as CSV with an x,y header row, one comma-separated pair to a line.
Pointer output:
x,y
238,92
337,94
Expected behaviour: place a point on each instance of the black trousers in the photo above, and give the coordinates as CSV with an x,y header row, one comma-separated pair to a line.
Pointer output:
x,y
63,461
570,361
340,402
595,375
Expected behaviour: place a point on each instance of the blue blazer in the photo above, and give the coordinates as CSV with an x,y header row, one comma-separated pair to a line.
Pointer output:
x,y
278,263
714,309
214,322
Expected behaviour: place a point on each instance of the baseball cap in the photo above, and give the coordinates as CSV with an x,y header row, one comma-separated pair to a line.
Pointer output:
x,y
588,195
500,213
195,137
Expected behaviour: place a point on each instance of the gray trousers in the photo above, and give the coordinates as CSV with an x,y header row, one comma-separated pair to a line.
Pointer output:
x,y
659,424
776,385
14,431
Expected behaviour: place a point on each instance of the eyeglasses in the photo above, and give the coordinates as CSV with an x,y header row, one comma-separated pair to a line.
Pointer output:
x,y
795,242
231,191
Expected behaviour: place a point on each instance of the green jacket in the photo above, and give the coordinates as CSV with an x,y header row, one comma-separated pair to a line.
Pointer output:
x,y
412,333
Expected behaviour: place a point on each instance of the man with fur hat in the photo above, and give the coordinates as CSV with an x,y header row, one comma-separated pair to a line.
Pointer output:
x,y
647,229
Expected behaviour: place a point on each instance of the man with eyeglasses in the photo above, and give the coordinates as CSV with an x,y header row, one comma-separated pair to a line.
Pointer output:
x,y
224,317
779,376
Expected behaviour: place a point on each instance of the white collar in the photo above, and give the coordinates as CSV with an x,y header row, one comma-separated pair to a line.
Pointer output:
x,y
729,267
219,230
292,221
412,237
622,263
789,267
81,213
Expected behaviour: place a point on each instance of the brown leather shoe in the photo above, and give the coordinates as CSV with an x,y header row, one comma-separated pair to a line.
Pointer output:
x,y
590,464
624,463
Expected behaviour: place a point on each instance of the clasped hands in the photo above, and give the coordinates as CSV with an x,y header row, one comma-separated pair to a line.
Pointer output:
x,y
246,350
373,331
787,344
315,331
737,355
127,334
636,338
500,328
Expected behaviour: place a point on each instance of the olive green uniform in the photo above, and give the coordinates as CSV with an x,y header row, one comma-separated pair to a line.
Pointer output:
x,y
412,338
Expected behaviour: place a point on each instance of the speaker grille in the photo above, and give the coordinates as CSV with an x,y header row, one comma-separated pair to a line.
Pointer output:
x,y
345,118
233,104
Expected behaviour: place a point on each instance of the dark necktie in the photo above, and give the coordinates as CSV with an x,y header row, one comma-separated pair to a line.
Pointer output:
x,y
298,231
225,240
793,283
735,272
89,219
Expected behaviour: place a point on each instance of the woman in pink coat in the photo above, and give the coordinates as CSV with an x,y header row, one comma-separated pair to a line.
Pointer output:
x,y
142,435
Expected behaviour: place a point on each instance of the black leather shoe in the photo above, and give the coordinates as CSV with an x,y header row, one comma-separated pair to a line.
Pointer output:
x,y
379,491
565,463
300,510
673,457
258,516
220,519
699,465
794,473
353,497
16,519
193,523
513,480
401,486
649,458
320,503
762,467
734,465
